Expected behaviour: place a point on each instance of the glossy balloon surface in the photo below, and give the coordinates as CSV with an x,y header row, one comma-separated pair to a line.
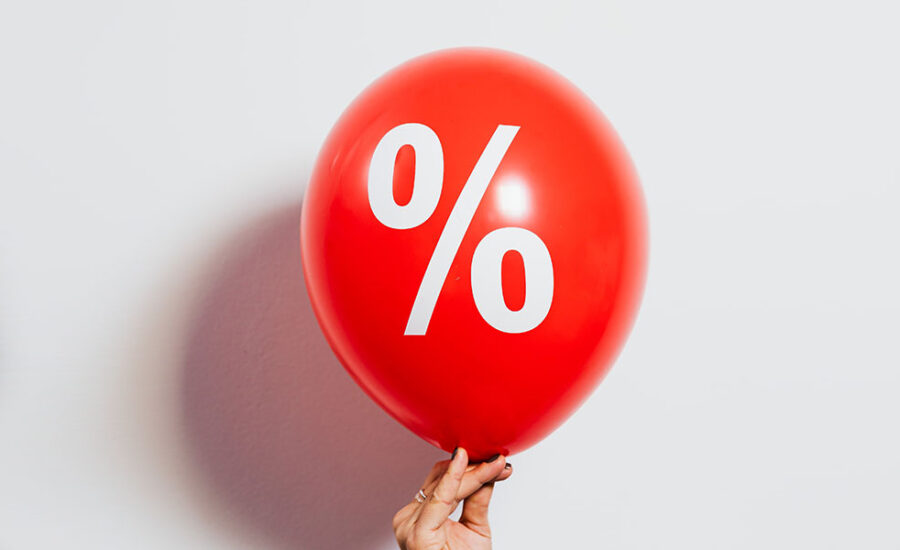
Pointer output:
x,y
564,181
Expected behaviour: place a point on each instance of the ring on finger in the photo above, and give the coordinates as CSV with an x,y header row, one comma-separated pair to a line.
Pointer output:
x,y
421,496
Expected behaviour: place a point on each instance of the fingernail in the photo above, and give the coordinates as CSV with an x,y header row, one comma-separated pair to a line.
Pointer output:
x,y
493,458
454,453
508,466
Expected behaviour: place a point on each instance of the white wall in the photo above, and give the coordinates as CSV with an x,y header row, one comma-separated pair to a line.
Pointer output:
x,y
163,383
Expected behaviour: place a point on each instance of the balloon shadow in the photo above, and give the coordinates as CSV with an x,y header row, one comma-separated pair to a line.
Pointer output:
x,y
287,440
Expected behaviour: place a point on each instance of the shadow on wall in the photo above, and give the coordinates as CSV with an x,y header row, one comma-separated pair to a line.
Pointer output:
x,y
289,443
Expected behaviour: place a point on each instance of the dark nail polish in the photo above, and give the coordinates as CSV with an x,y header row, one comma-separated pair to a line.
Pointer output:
x,y
508,466
454,453
493,458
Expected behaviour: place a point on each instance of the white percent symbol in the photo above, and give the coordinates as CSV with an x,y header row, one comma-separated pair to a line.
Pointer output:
x,y
487,283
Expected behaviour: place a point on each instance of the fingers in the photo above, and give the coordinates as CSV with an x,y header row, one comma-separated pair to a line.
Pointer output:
x,y
506,473
443,499
485,472
434,475
475,510
449,483
471,482
477,475
403,517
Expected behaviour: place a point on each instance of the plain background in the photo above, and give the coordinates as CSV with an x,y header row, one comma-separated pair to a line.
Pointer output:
x,y
163,383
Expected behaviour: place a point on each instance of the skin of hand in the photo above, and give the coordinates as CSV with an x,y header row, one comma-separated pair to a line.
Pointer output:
x,y
427,525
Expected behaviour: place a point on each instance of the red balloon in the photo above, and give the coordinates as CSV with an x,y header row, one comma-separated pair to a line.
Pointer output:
x,y
474,244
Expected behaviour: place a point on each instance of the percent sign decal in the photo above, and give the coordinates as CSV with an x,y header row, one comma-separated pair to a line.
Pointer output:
x,y
486,273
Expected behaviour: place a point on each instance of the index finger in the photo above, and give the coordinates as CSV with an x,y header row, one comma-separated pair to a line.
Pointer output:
x,y
443,500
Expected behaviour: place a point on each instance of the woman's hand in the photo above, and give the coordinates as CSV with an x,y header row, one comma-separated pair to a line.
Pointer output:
x,y
425,524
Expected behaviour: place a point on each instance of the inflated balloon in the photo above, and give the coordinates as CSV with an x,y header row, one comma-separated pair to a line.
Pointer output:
x,y
474,245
